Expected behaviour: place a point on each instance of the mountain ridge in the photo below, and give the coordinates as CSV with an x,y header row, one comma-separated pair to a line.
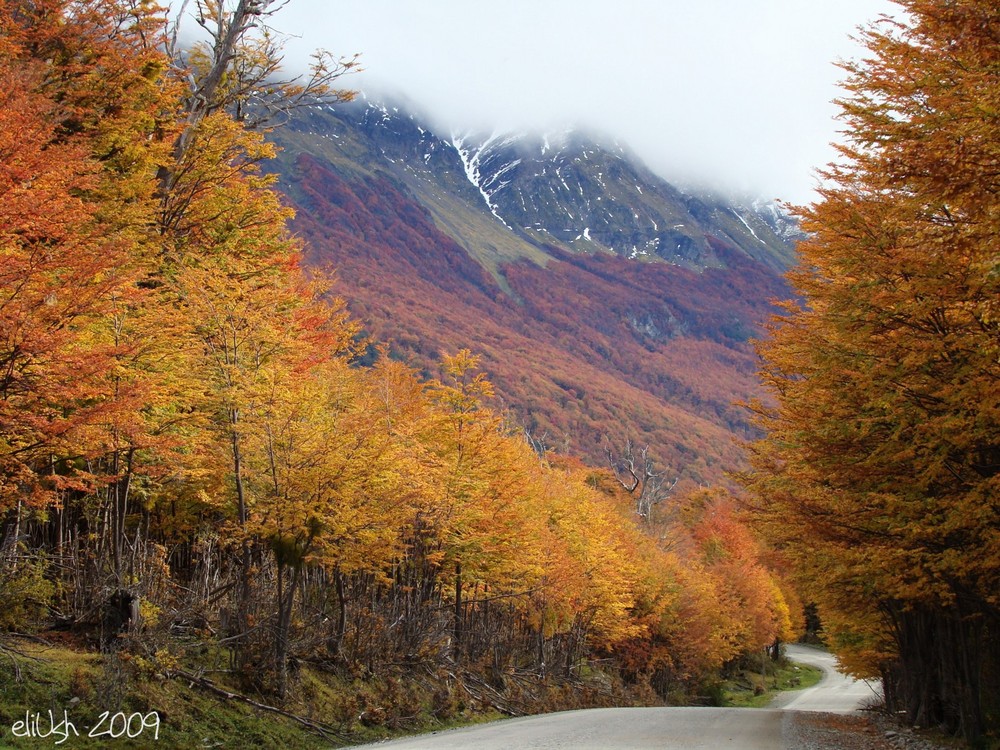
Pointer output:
x,y
583,337
473,167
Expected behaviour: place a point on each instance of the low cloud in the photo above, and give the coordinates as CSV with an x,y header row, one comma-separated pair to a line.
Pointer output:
x,y
722,94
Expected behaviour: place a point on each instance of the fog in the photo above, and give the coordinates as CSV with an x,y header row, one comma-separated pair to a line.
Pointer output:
x,y
730,95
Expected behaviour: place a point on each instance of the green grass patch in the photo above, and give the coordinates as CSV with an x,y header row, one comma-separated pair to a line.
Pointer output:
x,y
97,701
750,688
61,693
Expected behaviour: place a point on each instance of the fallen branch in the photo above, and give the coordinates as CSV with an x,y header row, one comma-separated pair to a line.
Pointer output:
x,y
324,730
13,653
488,695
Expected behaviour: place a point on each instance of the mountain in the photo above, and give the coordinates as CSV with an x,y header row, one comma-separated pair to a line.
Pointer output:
x,y
603,300
585,195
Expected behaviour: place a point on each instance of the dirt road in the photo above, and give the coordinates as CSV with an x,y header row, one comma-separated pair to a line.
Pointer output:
x,y
662,728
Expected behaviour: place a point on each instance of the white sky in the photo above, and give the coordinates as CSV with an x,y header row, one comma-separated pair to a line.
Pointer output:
x,y
730,94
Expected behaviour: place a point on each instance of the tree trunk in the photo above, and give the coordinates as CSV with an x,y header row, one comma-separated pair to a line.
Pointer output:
x,y
337,644
281,635
457,634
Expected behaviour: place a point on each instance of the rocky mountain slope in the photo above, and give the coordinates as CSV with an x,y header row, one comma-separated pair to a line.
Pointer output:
x,y
579,193
605,301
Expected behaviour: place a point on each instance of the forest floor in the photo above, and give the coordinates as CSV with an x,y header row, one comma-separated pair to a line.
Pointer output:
x,y
54,692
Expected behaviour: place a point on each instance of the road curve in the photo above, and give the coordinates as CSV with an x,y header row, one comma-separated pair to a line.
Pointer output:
x,y
835,693
673,728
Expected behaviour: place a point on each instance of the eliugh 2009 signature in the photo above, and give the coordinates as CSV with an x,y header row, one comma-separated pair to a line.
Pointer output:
x,y
113,725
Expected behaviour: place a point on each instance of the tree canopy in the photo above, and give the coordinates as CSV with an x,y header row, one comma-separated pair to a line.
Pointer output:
x,y
880,472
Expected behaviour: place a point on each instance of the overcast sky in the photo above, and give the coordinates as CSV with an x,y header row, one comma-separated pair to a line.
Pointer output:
x,y
732,94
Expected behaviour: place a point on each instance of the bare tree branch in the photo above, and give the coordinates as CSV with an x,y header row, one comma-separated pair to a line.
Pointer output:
x,y
239,70
636,475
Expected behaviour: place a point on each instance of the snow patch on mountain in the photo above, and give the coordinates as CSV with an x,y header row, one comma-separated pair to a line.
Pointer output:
x,y
576,188
474,155
750,228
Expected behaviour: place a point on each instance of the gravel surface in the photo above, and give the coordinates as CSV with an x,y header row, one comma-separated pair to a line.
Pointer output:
x,y
678,729
819,731
836,693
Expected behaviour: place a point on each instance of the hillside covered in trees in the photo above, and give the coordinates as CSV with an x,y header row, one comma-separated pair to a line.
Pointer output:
x,y
201,480
604,302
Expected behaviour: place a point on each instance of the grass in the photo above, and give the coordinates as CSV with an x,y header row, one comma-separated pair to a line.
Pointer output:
x,y
80,686
749,688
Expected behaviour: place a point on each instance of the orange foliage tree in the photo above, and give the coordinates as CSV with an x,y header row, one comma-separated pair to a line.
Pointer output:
x,y
79,115
879,475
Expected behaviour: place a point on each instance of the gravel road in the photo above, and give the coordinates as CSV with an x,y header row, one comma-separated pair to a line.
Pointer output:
x,y
835,693
823,717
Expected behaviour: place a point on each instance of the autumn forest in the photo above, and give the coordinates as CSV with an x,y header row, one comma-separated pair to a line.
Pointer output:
x,y
211,475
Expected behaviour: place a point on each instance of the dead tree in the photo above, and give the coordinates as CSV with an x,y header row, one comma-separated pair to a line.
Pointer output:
x,y
636,475
239,70
539,444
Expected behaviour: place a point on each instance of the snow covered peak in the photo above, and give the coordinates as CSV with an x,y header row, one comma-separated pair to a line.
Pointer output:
x,y
564,188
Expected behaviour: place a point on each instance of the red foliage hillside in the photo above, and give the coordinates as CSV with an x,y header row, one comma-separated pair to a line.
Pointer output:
x,y
587,346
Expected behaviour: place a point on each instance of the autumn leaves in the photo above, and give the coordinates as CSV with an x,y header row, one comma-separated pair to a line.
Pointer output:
x,y
880,472
182,417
